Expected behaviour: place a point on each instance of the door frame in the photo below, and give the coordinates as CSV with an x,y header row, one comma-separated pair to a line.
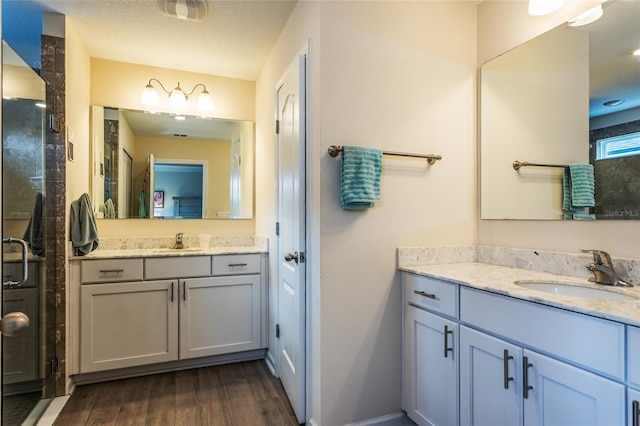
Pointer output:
x,y
305,166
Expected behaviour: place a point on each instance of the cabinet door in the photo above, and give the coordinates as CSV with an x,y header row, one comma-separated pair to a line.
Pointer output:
x,y
490,380
128,324
431,394
219,315
20,353
564,395
633,407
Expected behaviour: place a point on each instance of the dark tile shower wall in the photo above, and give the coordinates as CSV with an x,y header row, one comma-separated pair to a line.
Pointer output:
x,y
617,185
53,72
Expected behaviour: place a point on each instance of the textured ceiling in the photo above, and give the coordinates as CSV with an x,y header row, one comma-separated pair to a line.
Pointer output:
x,y
233,41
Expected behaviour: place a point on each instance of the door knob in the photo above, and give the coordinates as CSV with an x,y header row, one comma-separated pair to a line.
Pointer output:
x,y
14,323
289,257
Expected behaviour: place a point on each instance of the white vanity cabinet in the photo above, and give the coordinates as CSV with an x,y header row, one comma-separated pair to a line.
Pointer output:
x,y
520,363
431,351
219,315
503,384
128,324
164,309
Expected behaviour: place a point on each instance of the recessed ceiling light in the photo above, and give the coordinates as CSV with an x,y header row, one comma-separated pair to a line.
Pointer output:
x,y
636,52
613,102
180,117
587,17
544,7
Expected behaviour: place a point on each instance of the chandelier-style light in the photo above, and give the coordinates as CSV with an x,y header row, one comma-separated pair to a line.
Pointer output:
x,y
177,97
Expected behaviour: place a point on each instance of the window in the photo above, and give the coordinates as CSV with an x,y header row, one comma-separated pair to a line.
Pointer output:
x,y
618,146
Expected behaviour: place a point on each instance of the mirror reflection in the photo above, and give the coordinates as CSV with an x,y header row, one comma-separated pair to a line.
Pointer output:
x,y
152,165
569,96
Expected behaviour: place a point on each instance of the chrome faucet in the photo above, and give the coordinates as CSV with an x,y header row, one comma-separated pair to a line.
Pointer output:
x,y
179,244
603,270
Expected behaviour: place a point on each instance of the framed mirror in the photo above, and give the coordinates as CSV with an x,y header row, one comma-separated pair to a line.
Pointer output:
x,y
165,166
569,96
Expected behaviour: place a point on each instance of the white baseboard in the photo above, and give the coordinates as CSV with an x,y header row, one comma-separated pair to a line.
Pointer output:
x,y
395,419
312,422
271,363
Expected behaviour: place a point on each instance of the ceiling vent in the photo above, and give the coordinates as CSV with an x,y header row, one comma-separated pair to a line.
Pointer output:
x,y
186,10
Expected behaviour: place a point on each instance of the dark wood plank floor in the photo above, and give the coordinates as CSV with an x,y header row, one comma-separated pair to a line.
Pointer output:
x,y
241,394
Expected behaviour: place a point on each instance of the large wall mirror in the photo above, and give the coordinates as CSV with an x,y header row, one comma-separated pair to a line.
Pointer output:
x,y
569,96
167,166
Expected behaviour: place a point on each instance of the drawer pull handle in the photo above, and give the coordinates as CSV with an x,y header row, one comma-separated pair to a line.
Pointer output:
x,y
635,413
422,293
184,290
172,291
446,341
525,377
236,265
111,271
505,358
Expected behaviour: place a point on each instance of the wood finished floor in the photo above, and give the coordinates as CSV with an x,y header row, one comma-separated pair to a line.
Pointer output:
x,y
241,394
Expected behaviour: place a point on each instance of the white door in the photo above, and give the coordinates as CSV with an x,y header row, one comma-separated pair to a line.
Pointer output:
x,y
633,407
290,140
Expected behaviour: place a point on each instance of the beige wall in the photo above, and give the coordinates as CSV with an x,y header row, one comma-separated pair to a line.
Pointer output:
x,y
119,84
396,76
501,26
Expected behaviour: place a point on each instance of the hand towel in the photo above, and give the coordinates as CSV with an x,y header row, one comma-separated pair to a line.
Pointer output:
x,y
142,204
578,188
84,232
109,211
360,173
34,235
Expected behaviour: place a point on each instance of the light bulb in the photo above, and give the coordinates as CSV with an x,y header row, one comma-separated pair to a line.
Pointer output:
x,y
177,98
205,102
149,96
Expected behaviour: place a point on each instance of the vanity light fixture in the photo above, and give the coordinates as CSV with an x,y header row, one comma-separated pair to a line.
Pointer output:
x,y
544,7
177,97
636,52
587,17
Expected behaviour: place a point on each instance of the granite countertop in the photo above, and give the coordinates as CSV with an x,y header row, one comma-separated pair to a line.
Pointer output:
x,y
169,252
500,279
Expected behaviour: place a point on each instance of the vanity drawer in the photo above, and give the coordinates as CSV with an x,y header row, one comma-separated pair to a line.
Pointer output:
x,y
591,342
110,270
177,267
236,264
432,294
633,356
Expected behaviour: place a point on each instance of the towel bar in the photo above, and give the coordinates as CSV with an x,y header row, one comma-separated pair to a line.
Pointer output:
x,y
334,151
518,164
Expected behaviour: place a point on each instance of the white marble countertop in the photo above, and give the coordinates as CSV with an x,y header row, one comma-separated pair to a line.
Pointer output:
x,y
500,279
169,252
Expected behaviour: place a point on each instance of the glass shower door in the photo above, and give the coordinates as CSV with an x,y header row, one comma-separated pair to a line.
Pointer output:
x,y
27,382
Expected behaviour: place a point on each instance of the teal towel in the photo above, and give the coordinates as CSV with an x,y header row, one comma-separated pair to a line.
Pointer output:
x,y
84,232
360,173
578,189
142,204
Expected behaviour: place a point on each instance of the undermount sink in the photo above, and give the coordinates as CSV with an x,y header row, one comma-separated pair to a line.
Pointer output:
x,y
573,290
176,250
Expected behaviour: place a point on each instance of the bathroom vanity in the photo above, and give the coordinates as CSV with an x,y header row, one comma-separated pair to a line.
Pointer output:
x,y
481,349
137,311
